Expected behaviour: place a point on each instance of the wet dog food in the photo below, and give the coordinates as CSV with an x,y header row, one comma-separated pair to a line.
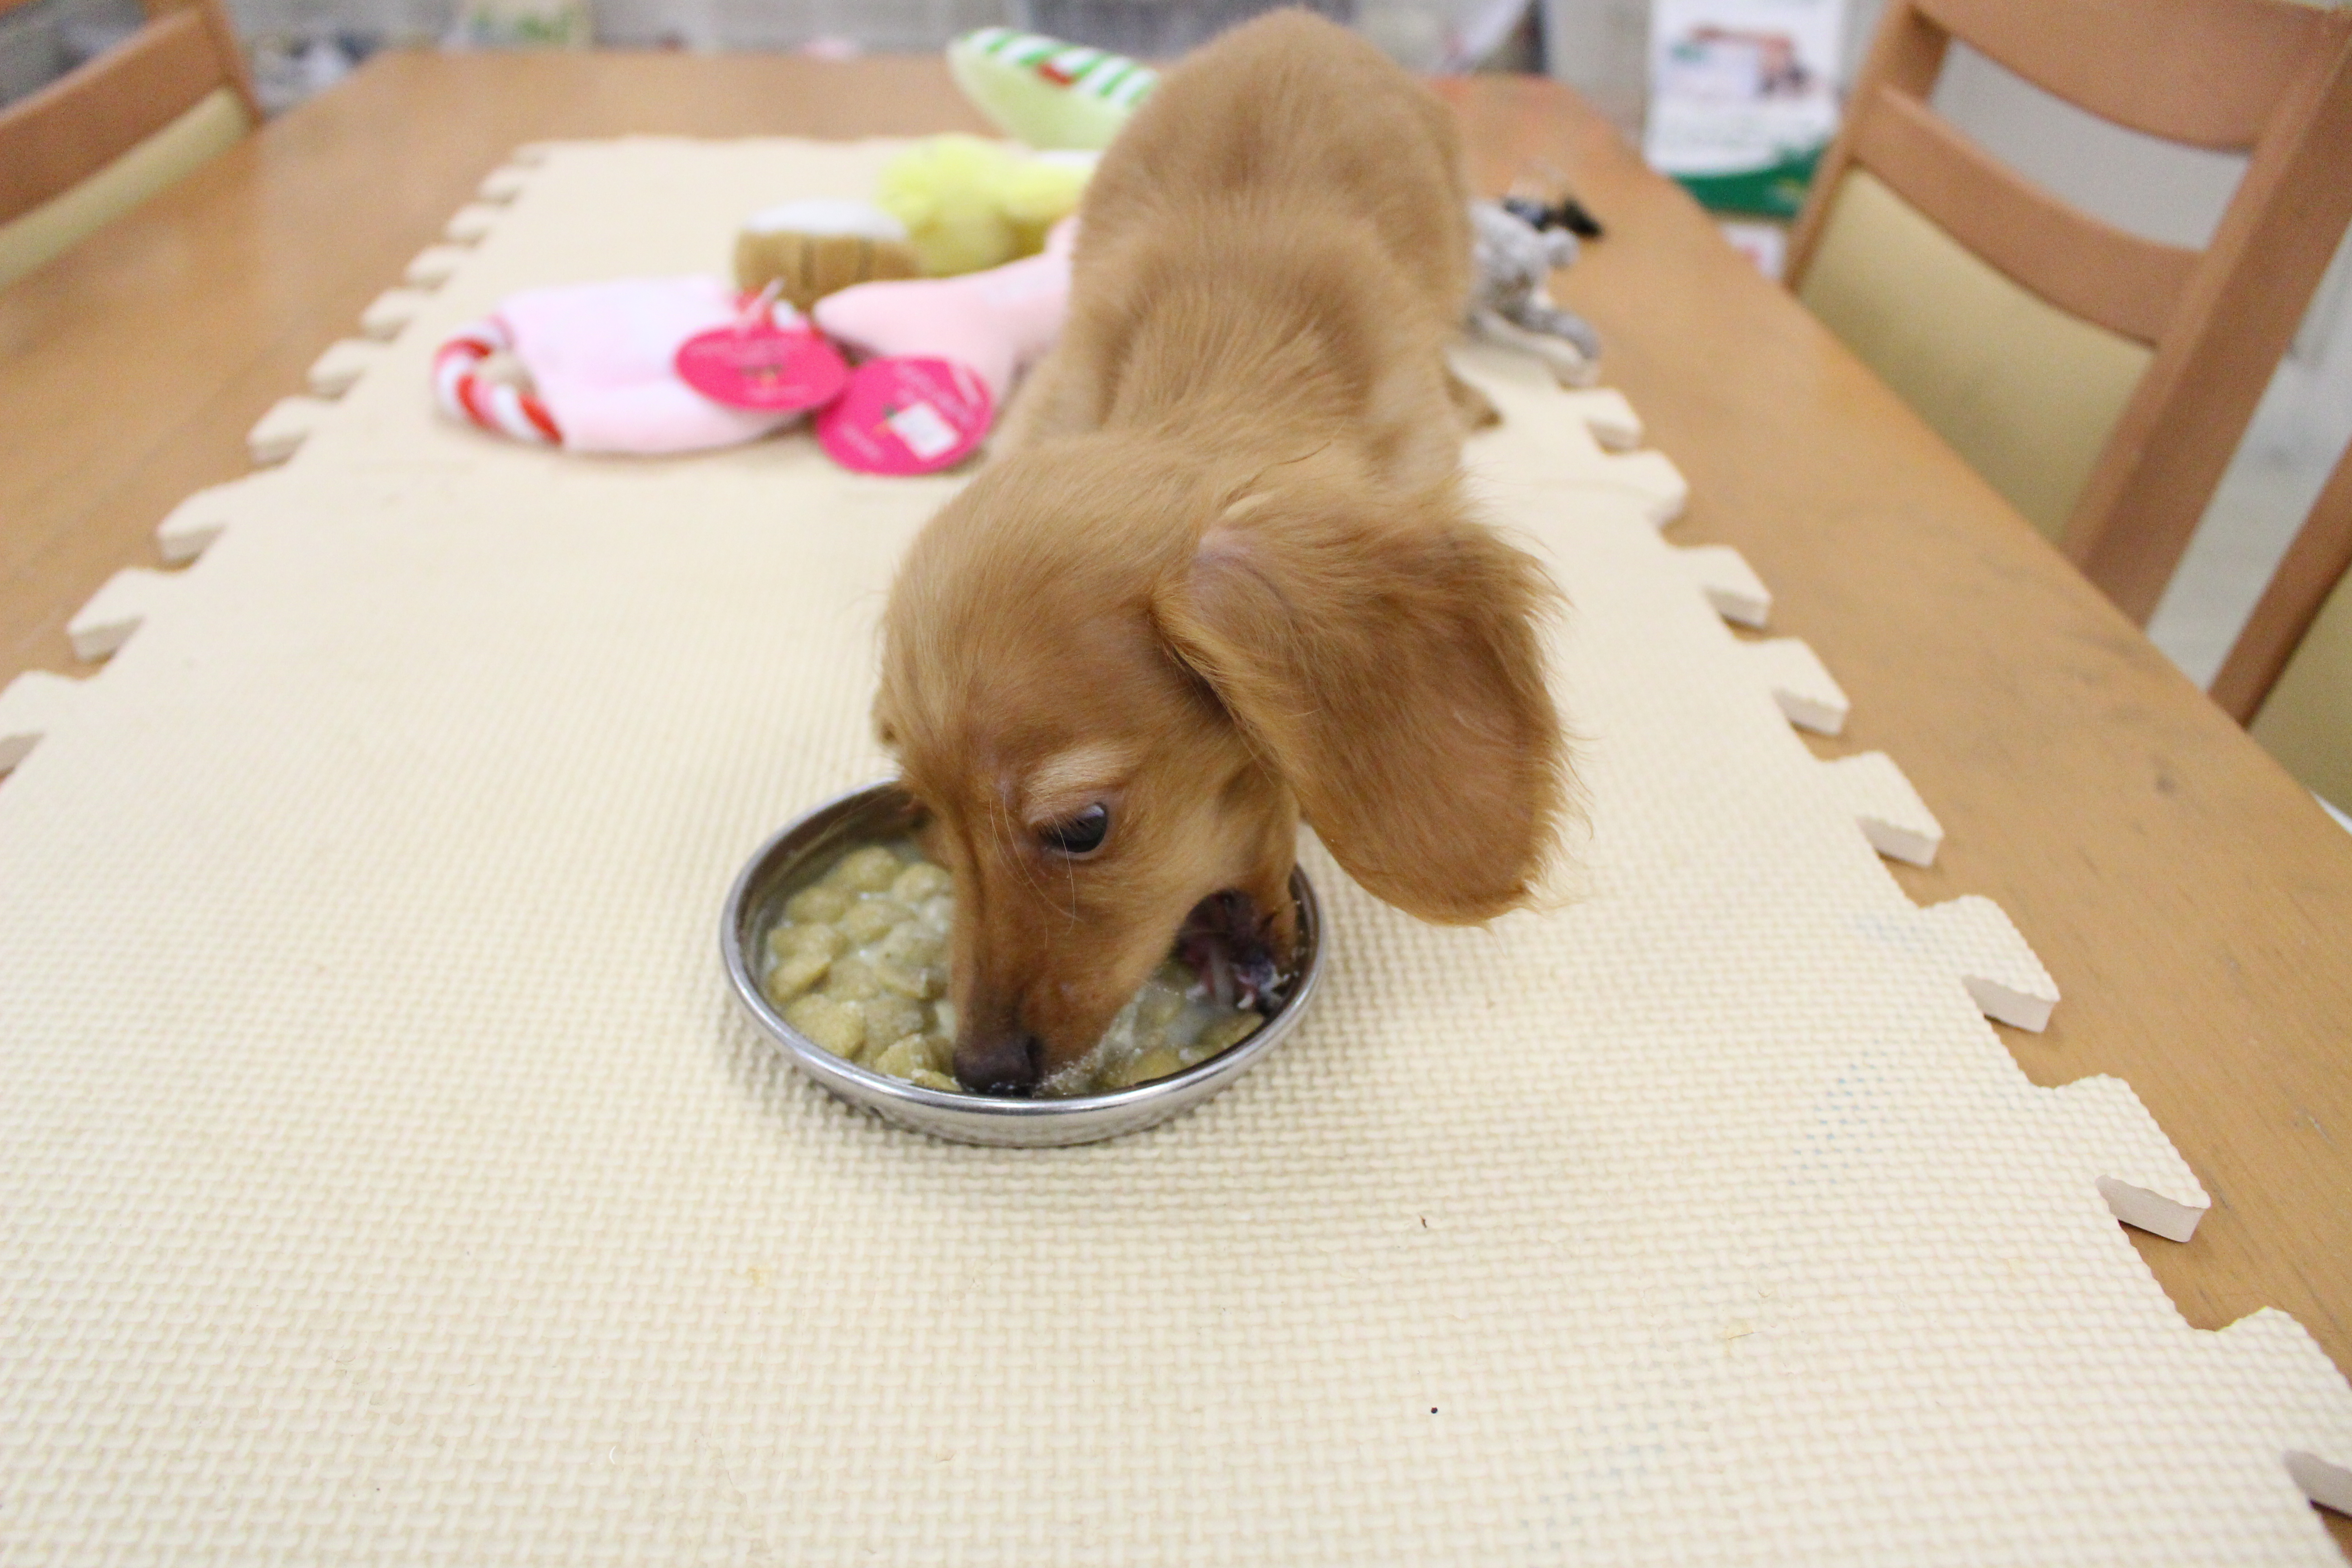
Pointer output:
x,y
859,964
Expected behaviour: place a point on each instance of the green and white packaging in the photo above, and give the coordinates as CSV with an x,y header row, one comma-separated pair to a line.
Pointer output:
x,y
1743,98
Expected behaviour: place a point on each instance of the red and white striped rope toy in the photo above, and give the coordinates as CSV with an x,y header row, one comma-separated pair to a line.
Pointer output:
x,y
498,406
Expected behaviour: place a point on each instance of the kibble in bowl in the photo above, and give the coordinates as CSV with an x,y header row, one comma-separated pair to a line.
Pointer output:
x,y
835,937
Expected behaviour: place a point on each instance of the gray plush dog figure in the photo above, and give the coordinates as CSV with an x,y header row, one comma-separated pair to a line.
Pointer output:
x,y
1508,305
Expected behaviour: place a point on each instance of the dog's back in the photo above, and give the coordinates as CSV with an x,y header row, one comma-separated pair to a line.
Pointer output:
x,y
1280,234
1283,120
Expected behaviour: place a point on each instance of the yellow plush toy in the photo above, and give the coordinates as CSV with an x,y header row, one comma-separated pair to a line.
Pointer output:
x,y
969,204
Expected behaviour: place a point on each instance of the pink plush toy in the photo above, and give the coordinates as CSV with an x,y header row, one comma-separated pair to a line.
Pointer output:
x,y
601,358
997,322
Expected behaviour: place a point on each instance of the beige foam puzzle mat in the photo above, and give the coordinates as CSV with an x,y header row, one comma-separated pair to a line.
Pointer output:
x,y
389,1178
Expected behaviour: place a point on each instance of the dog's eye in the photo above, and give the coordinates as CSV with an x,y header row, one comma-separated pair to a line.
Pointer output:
x,y
1080,835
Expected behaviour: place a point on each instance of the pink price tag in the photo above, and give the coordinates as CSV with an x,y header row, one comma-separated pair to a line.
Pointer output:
x,y
762,366
906,417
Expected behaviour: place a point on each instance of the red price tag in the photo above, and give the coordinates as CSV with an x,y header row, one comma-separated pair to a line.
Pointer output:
x,y
763,366
906,417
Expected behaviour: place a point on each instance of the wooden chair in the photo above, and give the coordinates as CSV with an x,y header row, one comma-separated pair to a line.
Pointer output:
x,y
2099,379
2289,679
106,136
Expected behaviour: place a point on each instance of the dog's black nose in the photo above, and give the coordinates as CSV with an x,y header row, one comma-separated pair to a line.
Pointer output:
x,y
1007,1063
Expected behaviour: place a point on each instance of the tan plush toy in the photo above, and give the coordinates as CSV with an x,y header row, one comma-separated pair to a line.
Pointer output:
x,y
809,248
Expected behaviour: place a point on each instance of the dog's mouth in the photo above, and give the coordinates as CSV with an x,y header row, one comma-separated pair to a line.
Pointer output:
x,y
1224,941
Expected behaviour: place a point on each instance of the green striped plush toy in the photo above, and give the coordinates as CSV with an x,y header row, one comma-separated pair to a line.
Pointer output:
x,y
1047,92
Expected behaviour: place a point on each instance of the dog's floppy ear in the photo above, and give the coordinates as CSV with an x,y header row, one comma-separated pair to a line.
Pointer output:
x,y
1381,654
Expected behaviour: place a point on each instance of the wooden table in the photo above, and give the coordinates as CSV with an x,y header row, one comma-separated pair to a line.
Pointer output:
x,y
2192,901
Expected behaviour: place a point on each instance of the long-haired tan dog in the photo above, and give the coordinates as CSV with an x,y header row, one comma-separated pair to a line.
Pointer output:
x,y
1221,574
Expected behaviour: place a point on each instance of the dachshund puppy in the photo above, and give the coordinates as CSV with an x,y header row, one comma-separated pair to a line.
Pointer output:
x,y
1219,574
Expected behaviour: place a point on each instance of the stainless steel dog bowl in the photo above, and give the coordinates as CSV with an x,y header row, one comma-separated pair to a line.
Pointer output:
x,y
882,811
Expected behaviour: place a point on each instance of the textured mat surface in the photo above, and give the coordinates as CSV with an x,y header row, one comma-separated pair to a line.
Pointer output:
x,y
386,1177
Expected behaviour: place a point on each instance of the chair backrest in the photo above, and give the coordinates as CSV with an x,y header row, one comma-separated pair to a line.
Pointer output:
x,y
2289,677
128,122
2100,379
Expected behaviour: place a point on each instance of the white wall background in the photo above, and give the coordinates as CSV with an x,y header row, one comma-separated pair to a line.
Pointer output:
x,y
1427,34
41,42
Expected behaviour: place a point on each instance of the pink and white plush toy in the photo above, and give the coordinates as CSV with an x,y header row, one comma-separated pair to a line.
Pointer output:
x,y
601,359
997,323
